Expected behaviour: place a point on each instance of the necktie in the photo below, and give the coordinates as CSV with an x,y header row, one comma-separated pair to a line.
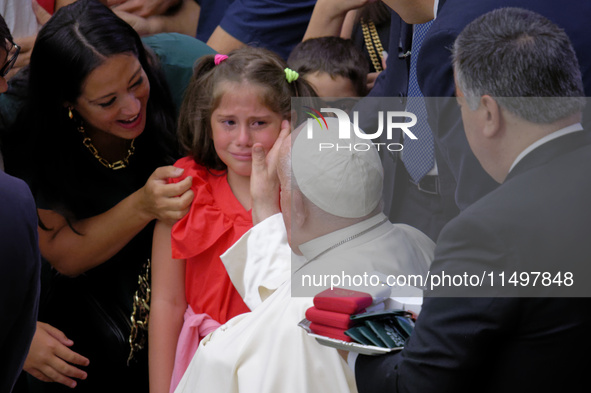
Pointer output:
x,y
418,154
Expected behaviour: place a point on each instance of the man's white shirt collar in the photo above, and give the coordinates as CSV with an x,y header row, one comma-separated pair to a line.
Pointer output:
x,y
556,134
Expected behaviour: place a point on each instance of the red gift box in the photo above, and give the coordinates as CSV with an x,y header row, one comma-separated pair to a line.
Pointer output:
x,y
344,301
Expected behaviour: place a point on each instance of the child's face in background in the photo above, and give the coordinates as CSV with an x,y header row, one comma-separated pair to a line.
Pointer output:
x,y
241,120
328,86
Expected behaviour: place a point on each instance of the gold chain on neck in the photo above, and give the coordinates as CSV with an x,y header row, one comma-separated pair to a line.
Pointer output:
x,y
371,38
94,151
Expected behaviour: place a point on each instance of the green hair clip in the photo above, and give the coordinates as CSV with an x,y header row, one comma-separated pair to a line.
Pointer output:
x,y
291,75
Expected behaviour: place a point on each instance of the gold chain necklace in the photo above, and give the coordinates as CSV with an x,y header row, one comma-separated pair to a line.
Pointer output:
x,y
140,315
94,151
371,38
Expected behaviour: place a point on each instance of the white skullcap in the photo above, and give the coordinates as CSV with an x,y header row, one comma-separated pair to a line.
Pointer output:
x,y
345,182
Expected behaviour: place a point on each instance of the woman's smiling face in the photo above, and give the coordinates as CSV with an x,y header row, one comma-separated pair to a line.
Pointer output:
x,y
114,97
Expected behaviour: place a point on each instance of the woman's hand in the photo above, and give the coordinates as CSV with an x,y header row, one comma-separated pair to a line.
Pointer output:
x,y
104,235
165,201
50,359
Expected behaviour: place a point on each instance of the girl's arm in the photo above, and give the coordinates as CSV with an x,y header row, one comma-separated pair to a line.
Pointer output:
x,y
102,236
167,308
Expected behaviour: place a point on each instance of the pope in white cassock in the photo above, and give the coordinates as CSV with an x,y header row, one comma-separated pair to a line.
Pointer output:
x,y
331,218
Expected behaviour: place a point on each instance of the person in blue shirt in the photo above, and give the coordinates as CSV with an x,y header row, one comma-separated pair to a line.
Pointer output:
x,y
20,261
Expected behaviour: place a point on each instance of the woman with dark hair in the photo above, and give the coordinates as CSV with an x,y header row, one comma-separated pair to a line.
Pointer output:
x,y
94,143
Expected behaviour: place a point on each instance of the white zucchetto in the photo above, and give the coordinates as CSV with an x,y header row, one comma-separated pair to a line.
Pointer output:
x,y
343,177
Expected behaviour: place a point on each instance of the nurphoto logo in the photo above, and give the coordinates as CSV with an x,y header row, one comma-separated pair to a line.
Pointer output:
x,y
387,121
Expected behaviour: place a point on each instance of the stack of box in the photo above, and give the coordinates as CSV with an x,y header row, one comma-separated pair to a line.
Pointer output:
x,y
332,311
354,316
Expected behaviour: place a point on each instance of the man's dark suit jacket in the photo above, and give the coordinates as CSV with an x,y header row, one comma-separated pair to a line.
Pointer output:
x,y
20,266
539,219
403,202
435,76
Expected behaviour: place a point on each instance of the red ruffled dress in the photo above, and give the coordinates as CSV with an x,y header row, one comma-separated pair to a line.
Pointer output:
x,y
215,222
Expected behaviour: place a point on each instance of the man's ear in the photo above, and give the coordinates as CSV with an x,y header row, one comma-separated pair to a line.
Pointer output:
x,y
492,116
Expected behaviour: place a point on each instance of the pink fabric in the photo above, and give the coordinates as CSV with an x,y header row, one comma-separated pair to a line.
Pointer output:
x,y
195,327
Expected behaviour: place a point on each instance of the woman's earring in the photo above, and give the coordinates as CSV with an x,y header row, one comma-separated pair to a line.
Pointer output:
x,y
70,114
